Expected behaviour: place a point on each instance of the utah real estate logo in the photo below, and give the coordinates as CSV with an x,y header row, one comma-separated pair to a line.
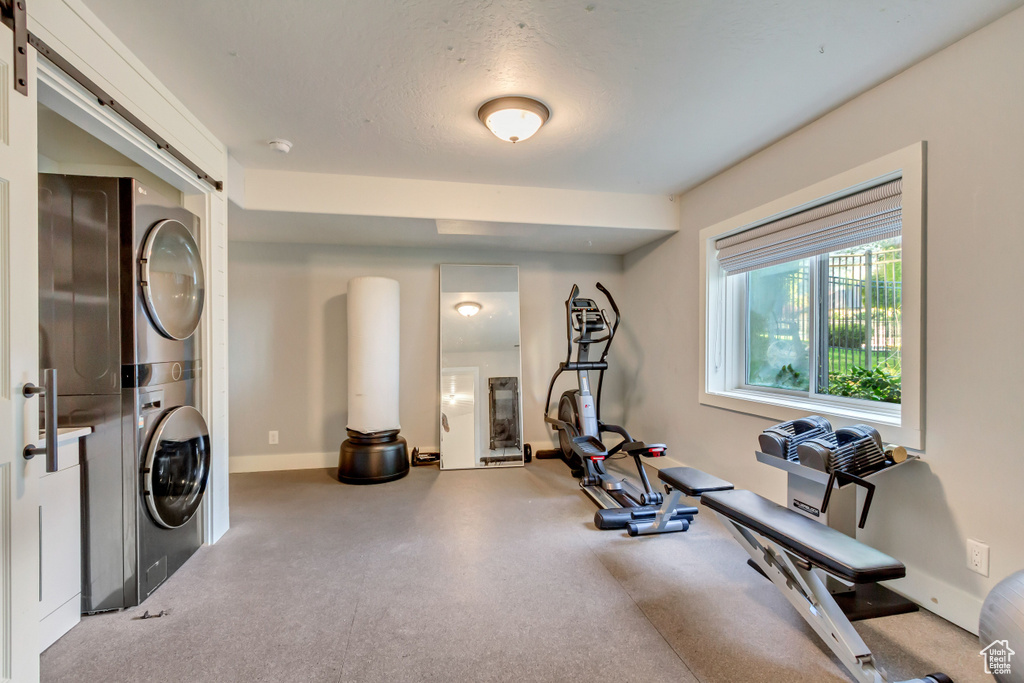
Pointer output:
x,y
997,657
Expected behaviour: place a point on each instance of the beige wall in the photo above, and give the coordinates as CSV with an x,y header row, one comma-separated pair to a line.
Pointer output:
x,y
289,341
967,102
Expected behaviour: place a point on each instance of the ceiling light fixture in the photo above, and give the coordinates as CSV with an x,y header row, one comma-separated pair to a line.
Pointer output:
x,y
468,308
513,119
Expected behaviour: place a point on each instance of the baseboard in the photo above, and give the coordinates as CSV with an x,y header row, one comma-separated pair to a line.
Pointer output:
x,y
626,467
61,620
542,444
662,463
283,461
949,602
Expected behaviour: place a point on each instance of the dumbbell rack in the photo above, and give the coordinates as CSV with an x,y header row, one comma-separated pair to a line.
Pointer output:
x,y
805,493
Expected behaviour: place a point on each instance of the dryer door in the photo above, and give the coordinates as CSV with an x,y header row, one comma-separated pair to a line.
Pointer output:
x,y
177,467
171,275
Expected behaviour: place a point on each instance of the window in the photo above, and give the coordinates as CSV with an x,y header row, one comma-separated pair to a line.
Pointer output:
x,y
812,303
839,337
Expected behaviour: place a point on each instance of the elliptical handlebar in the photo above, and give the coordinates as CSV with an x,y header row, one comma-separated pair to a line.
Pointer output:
x,y
607,294
607,347
568,322
614,326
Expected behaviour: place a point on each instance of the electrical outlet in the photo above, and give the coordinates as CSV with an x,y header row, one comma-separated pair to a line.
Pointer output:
x,y
273,437
977,556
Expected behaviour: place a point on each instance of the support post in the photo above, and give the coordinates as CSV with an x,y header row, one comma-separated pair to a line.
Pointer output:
x,y
868,331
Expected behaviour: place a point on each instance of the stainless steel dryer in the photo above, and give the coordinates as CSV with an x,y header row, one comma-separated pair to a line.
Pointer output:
x,y
121,295
162,282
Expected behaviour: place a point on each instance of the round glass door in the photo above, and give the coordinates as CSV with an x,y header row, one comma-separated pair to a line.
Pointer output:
x,y
173,285
177,467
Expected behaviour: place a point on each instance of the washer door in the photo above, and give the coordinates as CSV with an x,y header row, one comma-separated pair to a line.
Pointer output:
x,y
173,285
177,467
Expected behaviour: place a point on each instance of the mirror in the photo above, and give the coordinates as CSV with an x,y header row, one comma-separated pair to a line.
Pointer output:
x,y
480,388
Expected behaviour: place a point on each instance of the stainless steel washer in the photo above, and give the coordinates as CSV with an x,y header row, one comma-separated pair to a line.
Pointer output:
x,y
174,455
176,468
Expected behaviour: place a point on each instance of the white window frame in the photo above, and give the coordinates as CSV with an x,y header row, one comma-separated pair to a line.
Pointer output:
x,y
723,335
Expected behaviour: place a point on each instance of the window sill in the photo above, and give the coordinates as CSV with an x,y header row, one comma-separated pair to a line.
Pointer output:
x,y
885,418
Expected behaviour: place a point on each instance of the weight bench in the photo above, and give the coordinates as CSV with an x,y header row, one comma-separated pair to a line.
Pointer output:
x,y
679,481
787,547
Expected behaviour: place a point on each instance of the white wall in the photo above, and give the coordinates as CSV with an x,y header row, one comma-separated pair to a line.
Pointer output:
x,y
288,341
967,102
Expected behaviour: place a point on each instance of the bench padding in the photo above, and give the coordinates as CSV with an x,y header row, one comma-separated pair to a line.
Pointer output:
x,y
692,482
822,546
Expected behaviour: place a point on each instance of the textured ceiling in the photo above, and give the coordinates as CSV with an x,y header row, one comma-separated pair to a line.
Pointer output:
x,y
651,96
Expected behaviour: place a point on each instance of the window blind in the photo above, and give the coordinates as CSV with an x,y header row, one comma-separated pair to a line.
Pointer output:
x,y
867,216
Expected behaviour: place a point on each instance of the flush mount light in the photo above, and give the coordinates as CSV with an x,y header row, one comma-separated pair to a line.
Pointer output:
x,y
468,308
513,119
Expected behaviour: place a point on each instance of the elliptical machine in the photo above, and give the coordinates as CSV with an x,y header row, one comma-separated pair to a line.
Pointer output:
x,y
579,424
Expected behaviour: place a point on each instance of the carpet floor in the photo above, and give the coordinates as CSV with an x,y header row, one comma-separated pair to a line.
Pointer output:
x,y
495,575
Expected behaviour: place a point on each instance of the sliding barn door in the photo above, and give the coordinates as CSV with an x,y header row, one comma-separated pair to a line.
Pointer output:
x,y
19,349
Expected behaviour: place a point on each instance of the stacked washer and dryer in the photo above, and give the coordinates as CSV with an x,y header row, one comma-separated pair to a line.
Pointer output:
x,y
121,296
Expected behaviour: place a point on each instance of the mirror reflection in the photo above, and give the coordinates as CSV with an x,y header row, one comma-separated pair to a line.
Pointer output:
x,y
480,384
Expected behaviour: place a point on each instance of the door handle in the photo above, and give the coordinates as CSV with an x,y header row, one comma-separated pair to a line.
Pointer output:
x,y
48,393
